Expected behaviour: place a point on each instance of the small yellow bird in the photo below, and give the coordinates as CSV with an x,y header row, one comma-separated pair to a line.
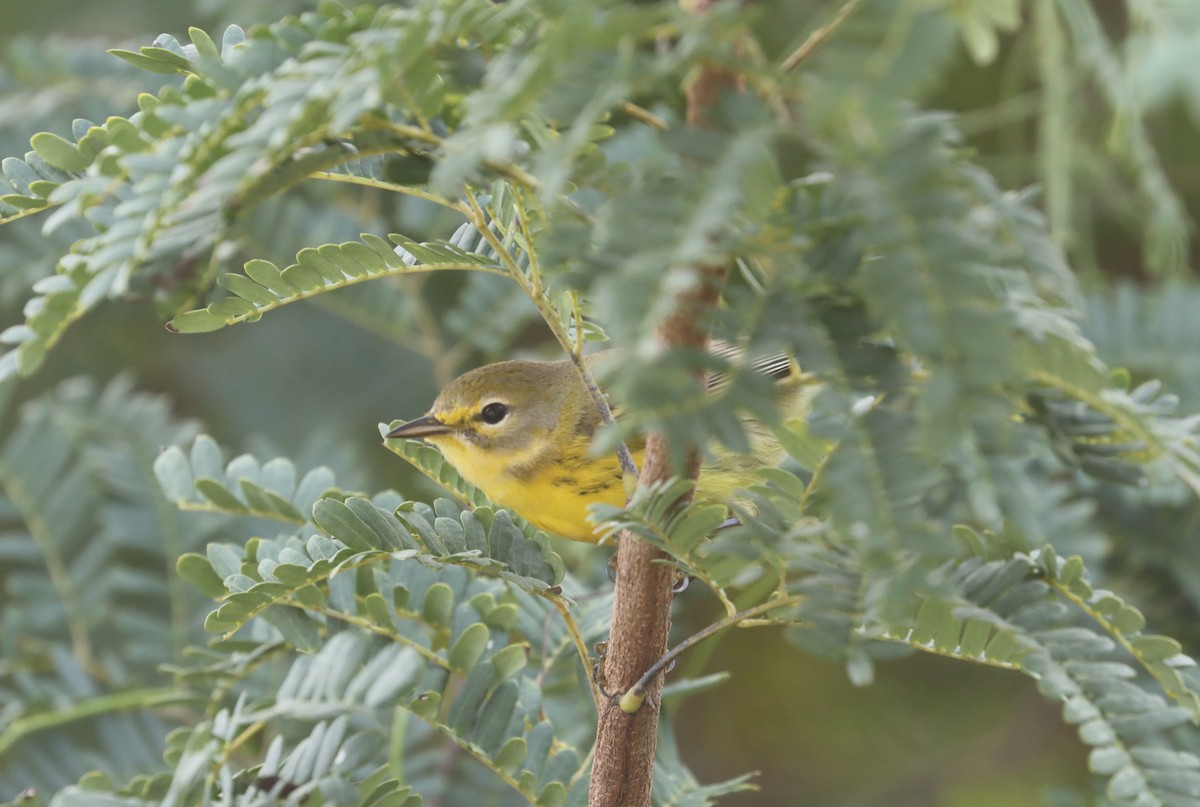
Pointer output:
x,y
521,431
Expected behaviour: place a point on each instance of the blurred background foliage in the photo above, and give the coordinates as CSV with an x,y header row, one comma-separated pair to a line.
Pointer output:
x,y
1120,193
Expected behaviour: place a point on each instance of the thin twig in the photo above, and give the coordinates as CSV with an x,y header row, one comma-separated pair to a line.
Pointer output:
x,y
44,538
406,190
818,36
430,337
577,638
365,624
577,316
510,170
628,466
631,701
644,115
129,700
478,217
535,272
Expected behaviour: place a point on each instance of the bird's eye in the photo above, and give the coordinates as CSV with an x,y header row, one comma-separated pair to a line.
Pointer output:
x,y
493,413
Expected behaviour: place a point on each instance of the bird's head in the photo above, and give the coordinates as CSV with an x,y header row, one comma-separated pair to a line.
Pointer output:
x,y
509,409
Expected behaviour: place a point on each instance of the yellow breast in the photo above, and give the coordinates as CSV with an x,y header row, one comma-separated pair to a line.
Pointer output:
x,y
557,502
553,496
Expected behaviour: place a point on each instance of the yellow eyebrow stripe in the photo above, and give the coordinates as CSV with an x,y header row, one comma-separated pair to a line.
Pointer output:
x,y
457,416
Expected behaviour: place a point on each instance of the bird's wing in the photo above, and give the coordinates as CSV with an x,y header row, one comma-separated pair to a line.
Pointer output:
x,y
779,366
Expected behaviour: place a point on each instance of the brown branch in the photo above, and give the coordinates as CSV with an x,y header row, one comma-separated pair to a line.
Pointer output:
x,y
625,743
622,772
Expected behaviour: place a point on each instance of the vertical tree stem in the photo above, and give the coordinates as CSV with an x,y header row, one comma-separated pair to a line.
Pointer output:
x,y
622,773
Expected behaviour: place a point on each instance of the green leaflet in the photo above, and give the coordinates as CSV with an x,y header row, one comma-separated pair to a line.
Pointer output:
x,y
77,486
429,461
243,487
935,313
1010,614
273,490
353,674
265,286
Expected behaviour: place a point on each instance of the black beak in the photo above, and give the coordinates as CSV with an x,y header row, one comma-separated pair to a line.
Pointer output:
x,y
421,427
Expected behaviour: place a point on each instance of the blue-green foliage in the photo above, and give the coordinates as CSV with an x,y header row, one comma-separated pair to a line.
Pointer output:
x,y
965,467
399,609
85,603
